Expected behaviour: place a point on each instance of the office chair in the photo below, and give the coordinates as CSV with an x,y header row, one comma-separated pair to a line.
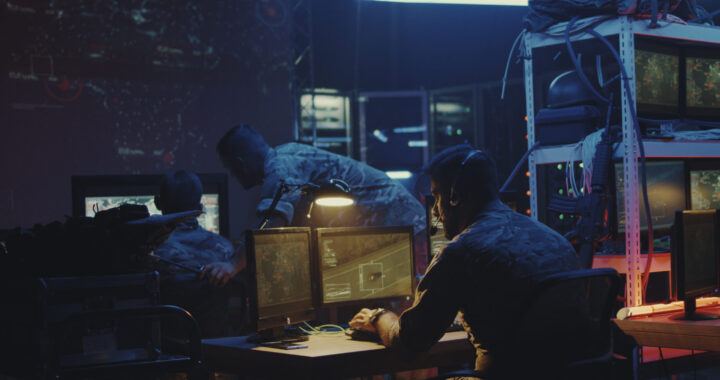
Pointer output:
x,y
570,340
91,327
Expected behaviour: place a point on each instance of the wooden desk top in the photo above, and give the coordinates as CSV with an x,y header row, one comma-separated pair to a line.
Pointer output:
x,y
660,330
328,356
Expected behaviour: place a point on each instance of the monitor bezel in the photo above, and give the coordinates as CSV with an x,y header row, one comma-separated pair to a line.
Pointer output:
x,y
697,113
677,267
318,233
300,311
144,184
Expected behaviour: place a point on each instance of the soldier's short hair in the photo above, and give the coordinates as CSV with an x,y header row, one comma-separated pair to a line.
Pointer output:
x,y
477,177
180,191
242,140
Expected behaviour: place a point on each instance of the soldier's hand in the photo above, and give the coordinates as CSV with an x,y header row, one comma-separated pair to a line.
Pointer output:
x,y
361,320
218,273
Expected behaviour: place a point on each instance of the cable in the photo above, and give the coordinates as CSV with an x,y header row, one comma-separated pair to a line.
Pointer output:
x,y
507,64
518,166
576,63
707,17
322,329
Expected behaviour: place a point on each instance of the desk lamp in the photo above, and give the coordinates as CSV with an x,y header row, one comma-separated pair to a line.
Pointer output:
x,y
334,193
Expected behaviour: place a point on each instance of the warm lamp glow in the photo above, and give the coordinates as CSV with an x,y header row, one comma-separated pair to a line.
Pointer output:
x,y
334,201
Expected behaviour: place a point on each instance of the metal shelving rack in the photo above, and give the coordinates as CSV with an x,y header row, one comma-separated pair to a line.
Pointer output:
x,y
626,28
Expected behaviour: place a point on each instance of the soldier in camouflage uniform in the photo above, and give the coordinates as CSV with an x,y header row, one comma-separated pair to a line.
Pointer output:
x,y
192,246
484,273
380,201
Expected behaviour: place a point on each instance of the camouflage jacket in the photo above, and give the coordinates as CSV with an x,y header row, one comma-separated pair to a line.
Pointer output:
x,y
482,274
193,246
380,201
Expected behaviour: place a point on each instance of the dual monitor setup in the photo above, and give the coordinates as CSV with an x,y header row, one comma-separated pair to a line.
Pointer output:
x,y
295,271
684,198
674,81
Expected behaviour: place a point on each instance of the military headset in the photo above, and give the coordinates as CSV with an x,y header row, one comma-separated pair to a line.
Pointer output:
x,y
453,196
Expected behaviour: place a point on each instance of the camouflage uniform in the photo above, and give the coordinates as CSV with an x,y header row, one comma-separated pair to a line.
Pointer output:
x,y
380,201
194,246
485,274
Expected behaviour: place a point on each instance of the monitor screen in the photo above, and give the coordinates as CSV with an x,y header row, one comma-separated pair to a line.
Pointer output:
x,y
695,253
209,220
358,264
705,189
657,78
702,80
97,193
279,261
666,193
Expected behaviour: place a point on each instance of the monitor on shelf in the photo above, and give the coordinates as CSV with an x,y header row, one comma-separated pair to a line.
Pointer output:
x,y
695,258
702,80
704,184
280,269
657,83
364,264
666,194
91,194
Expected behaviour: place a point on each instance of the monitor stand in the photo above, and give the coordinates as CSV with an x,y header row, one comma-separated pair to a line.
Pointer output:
x,y
690,313
279,337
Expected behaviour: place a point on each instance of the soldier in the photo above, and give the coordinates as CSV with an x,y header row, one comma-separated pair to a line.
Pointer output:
x,y
482,273
380,201
192,246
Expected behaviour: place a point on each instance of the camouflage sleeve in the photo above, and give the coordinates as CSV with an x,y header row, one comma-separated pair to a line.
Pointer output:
x,y
436,304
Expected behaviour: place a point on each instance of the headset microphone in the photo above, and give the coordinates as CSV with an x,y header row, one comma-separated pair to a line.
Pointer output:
x,y
434,228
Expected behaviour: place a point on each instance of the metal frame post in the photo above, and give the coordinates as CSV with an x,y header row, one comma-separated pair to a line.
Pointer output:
x,y
530,114
633,287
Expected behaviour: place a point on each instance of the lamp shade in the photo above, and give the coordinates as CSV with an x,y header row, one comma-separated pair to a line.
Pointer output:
x,y
334,193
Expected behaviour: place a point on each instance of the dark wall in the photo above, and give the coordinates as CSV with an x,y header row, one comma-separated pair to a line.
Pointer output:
x,y
129,87
410,46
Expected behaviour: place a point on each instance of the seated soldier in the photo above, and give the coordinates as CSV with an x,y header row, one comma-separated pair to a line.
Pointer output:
x,y
484,273
192,246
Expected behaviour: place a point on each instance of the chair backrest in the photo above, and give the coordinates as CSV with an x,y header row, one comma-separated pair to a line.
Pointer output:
x,y
567,318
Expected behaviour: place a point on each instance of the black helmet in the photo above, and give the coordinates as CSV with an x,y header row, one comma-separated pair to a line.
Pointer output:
x,y
567,89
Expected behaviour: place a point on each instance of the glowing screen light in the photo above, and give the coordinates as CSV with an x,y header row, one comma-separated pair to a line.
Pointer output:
x,y
521,3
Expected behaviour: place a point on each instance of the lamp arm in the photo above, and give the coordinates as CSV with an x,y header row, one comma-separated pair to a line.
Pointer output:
x,y
282,189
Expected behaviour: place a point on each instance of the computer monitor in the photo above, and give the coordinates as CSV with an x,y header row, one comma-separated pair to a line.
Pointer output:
x,y
695,258
91,194
358,264
279,262
704,180
436,232
702,80
657,78
666,194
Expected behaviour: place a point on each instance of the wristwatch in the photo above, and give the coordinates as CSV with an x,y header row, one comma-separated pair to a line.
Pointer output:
x,y
376,314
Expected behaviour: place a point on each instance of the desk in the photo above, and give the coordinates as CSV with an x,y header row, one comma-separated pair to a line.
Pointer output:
x,y
328,356
660,331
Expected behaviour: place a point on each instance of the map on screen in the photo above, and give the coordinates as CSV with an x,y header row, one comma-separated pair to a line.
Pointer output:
x,y
357,265
282,267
